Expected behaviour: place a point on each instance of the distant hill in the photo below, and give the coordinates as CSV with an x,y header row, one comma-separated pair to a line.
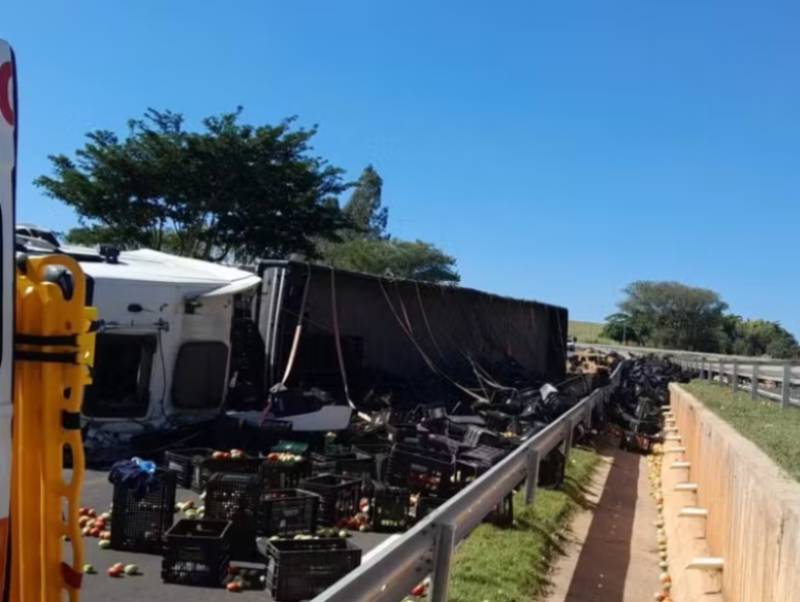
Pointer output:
x,y
587,332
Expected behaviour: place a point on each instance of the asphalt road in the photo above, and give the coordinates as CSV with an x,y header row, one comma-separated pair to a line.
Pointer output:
x,y
148,587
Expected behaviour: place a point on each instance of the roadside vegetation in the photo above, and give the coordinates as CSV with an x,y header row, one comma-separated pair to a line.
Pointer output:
x,y
671,315
512,564
774,430
588,332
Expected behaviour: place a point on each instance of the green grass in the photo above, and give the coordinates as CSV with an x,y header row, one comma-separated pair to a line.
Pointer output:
x,y
512,564
587,332
775,431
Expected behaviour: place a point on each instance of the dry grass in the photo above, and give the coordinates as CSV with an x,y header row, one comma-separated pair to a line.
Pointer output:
x,y
588,332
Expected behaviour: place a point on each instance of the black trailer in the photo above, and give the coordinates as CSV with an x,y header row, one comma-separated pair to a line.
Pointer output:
x,y
354,334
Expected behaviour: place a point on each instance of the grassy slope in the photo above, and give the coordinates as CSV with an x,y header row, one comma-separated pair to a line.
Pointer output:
x,y
775,431
511,565
587,332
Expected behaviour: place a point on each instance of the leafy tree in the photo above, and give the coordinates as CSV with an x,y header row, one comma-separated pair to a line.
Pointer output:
x,y
364,210
618,327
229,189
91,236
673,315
758,337
391,257
366,246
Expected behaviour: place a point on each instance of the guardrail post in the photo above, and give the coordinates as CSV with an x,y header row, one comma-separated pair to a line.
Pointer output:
x,y
709,377
735,383
754,382
786,388
533,477
721,377
445,543
568,441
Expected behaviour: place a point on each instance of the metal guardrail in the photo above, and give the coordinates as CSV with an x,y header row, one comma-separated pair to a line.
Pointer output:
x,y
775,380
778,380
427,548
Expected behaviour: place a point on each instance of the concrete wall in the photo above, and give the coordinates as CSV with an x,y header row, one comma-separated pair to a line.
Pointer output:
x,y
754,507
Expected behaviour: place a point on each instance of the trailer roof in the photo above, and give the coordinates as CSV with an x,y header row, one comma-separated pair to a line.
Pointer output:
x,y
146,265
302,265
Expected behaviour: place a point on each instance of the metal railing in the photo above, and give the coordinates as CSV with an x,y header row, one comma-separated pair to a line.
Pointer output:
x,y
778,380
772,379
427,548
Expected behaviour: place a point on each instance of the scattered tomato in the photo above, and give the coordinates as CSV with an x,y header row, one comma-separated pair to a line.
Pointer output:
x,y
418,590
131,569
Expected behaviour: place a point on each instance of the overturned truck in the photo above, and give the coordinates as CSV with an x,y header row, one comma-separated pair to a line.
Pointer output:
x,y
376,341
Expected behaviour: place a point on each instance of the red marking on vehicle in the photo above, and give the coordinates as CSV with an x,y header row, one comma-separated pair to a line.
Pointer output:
x,y
6,73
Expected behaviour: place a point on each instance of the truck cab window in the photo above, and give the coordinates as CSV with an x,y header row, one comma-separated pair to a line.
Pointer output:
x,y
199,378
121,379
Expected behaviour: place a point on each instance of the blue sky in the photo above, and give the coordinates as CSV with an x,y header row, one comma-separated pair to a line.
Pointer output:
x,y
559,150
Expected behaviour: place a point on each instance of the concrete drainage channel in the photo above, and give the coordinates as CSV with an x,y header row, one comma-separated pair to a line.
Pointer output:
x,y
681,526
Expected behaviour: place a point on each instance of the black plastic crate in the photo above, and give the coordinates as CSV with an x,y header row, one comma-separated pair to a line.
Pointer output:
x,y
285,475
322,465
503,514
551,470
405,432
301,569
434,412
485,453
467,471
389,508
235,498
197,552
339,497
420,470
210,466
427,504
444,444
140,524
260,438
353,463
183,461
466,420
499,421
480,436
287,512
389,416
380,456
455,430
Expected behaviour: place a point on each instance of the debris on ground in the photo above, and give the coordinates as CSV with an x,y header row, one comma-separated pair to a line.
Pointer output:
x,y
637,402
285,503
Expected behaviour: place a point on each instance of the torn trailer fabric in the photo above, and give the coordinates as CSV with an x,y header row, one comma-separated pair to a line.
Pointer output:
x,y
416,340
